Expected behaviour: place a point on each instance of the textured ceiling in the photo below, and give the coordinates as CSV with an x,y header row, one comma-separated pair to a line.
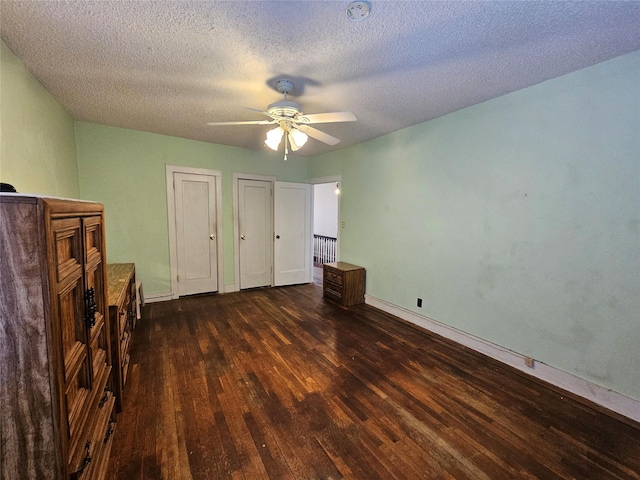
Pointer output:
x,y
172,66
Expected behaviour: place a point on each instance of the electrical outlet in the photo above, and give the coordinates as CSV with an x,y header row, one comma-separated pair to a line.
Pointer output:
x,y
342,224
419,303
529,362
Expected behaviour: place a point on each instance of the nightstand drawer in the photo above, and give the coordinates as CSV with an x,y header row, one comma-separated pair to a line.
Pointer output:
x,y
331,276
333,291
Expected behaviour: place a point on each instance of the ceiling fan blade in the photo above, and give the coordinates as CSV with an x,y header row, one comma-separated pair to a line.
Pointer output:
x,y
318,135
327,117
250,122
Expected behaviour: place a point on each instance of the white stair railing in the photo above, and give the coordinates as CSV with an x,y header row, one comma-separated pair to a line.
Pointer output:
x,y
324,249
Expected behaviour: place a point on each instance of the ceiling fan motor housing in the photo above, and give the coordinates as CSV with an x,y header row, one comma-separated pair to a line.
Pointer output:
x,y
285,108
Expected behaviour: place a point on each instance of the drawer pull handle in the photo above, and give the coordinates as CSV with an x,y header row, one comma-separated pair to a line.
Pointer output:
x,y
109,432
85,461
90,307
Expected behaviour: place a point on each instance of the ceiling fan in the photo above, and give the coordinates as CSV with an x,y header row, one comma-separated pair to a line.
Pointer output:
x,y
290,120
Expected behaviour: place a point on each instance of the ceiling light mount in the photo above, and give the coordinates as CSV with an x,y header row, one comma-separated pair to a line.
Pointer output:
x,y
284,86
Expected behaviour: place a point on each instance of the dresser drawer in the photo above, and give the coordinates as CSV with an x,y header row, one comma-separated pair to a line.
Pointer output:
x,y
122,318
121,279
90,461
124,344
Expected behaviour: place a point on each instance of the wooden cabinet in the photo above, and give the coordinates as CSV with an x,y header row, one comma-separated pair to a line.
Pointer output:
x,y
344,283
121,292
55,357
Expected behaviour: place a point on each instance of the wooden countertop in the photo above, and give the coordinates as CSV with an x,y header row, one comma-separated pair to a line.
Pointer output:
x,y
345,267
118,276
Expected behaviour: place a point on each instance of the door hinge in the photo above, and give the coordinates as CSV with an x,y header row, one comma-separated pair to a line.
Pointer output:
x,y
178,278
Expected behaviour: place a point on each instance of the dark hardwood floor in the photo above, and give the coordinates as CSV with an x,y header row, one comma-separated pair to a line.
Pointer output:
x,y
280,384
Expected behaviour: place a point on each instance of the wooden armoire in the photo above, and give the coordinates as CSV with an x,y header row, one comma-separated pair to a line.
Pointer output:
x,y
57,412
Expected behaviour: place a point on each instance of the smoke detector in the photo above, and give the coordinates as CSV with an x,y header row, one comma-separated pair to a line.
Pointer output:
x,y
358,11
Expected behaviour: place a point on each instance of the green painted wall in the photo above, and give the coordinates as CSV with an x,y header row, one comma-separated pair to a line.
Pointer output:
x,y
37,143
125,170
516,220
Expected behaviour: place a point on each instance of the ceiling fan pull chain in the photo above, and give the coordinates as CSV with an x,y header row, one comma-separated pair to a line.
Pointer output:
x,y
286,148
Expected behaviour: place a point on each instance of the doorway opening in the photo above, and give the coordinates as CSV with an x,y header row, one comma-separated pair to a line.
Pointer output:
x,y
326,197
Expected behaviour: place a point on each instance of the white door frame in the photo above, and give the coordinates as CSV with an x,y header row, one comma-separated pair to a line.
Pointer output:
x,y
171,214
330,179
236,230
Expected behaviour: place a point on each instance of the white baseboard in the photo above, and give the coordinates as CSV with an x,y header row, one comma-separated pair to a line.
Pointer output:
x,y
157,297
164,296
604,397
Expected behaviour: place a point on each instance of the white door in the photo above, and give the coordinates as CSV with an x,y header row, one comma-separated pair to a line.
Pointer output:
x,y
195,209
255,228
293,236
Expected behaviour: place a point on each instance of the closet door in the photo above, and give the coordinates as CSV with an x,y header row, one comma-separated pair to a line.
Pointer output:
x,y
293,234
255,227
196,229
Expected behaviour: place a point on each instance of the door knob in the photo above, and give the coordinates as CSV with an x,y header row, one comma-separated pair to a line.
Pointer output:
x,y
277,236
212,237
242,237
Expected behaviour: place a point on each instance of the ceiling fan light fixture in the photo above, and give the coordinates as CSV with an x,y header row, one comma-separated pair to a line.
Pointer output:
x,y
273,138
288,118
297,139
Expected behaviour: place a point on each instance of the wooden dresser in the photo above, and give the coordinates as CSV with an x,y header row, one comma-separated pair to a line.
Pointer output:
x,y
121,292
55,359
344,283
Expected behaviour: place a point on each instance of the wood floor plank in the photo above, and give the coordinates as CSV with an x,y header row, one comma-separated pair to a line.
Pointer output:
x,y
279,383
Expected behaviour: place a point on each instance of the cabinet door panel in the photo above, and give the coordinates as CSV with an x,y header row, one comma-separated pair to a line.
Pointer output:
x,y
98,348
93,239
68,266
67,247
72,325
94,279
76,396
